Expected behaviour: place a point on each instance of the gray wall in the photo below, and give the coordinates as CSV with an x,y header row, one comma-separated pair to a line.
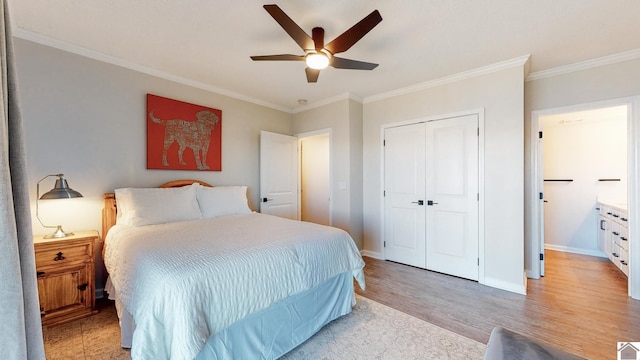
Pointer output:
x,y
344,119
86,119
500,95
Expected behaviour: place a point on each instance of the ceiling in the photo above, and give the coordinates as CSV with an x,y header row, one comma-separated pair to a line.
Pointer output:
x,y
208,43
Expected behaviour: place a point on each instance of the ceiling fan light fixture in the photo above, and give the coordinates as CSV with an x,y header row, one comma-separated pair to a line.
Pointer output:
x,y
317,61
317,55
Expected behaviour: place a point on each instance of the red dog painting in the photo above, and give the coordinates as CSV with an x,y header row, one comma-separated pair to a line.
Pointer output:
x,y
174,126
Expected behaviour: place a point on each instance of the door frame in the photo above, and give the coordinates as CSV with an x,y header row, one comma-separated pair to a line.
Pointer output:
x,y
300,136
481,195
633,176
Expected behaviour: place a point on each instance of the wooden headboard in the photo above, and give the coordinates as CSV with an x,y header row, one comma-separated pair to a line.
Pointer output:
x,y
110,210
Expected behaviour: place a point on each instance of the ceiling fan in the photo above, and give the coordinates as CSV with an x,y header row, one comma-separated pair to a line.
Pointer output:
x,y
318,55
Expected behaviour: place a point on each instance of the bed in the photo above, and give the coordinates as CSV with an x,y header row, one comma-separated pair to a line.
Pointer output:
x,y
196,274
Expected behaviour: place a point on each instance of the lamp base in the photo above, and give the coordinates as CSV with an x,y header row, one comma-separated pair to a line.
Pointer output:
x,y
58,234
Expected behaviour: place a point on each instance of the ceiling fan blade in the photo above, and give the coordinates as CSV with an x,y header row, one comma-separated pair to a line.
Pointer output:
x,y
341,63
356,32
312,74
296,33
317,33
281,57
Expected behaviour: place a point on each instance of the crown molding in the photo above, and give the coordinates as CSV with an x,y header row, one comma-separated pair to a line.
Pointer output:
x,y
95,55
585,65
507,64
519,61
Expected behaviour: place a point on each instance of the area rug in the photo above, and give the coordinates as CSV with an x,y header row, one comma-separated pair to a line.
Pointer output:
x,y
375,331
370,331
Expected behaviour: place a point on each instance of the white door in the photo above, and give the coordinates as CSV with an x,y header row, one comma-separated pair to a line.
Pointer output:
x,y
452,196
404,183
279,175
314,179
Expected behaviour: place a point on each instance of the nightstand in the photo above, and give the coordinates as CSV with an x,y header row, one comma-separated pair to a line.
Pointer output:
x,y
66,278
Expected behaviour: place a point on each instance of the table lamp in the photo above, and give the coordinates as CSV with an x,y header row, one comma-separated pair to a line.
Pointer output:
x,y
61,190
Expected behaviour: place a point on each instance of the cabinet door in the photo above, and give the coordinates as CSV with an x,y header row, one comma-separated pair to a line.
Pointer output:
x,y
63,291
602,235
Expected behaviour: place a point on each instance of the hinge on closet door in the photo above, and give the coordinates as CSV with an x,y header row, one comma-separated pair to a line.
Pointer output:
x,y
384,244
539,134
541,257
478,261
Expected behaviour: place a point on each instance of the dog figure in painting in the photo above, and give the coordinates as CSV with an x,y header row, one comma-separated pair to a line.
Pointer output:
x,y
195,135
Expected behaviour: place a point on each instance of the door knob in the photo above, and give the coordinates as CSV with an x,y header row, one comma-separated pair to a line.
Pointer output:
x,y
419,202
431,203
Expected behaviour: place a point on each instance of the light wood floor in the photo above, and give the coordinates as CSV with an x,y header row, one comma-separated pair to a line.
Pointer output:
x,y
581,305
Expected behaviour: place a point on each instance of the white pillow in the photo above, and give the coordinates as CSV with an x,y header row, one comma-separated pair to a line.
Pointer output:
x,y
121,205
148,206
222,200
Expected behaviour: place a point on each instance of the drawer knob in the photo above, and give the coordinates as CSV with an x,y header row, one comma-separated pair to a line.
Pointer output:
x,y
59,257
83,287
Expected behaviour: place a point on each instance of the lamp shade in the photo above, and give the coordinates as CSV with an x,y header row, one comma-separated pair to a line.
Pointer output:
x,y
61,190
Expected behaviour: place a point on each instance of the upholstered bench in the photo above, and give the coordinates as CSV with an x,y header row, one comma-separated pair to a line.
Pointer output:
x,y
508,345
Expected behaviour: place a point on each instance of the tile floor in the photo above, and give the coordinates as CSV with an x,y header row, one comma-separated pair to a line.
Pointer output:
x,y
94,337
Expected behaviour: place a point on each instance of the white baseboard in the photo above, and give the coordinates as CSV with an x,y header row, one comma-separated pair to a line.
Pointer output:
x,y
499,284
573,250
529,275
372,254
503,285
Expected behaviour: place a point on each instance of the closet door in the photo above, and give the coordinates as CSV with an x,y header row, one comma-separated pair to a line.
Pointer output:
x,y
404,184
431,195
452,196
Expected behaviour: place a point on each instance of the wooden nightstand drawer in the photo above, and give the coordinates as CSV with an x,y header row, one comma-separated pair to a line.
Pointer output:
x,y
57,254
66,277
